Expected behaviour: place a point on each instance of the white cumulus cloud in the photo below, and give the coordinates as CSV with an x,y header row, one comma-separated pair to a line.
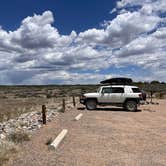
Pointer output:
x,y
36,53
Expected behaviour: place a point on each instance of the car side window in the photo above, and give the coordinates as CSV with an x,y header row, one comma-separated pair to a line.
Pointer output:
x,y
136,90
106,90
117,90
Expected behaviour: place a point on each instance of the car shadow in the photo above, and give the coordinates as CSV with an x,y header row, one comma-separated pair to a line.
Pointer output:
x,y
109,109
81,108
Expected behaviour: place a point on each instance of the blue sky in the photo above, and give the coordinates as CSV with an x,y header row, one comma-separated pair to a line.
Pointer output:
x,y
69,15
73,42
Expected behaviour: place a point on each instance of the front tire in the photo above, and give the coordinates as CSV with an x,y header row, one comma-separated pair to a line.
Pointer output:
x,y
131,105
91,104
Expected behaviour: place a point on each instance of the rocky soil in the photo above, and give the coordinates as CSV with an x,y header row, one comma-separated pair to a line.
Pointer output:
x,y
27,122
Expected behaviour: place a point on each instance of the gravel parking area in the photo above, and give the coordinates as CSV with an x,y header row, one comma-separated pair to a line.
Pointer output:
x,y
107,136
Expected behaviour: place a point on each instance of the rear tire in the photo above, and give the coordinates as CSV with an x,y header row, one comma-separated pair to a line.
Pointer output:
x,y
91,104
131,105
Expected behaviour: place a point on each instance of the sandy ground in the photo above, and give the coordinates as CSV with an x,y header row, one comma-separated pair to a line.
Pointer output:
x,y
104,137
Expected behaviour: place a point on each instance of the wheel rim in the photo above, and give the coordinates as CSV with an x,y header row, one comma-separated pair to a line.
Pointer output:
x,y
131,106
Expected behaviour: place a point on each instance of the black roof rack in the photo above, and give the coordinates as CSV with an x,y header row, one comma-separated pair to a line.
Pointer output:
x,y
118,81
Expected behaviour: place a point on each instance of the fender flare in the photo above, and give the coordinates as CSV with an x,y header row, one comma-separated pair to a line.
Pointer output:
x,y
131,99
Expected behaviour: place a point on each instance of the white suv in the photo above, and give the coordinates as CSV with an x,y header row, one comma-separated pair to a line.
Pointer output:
x,y
125,96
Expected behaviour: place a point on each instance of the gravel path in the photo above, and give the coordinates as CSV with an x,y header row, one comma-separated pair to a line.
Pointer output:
x,y
105,137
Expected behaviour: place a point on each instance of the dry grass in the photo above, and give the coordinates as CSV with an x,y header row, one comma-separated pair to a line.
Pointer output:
x,y
18,137
16,100
7,149
11,108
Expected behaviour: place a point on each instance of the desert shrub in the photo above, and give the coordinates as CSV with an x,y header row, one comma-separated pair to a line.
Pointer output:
x,y
6,150
160,95
18,137
5,117
61,110
3,97
49,95
21,95
1,117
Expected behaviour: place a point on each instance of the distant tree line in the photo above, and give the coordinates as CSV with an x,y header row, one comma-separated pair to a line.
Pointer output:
x,y
153,87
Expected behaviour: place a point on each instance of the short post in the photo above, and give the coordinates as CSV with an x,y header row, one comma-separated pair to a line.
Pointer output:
x,y
44,114
63,105
151,95
74,101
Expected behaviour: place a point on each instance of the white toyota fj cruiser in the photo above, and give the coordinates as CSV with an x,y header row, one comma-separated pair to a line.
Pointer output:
x,y
126,96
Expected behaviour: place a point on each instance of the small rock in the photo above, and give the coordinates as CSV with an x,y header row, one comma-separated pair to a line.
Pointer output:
x,y
2,136
39,126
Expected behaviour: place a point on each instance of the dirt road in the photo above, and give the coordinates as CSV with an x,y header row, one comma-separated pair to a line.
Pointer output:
x,y
105,137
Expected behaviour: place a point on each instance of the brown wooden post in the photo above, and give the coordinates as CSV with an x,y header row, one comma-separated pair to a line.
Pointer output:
x,y
151,95
63,105
44,114
74,101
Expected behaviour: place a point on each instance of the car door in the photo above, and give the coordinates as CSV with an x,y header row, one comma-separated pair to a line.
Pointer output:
x,y
117,95
105,95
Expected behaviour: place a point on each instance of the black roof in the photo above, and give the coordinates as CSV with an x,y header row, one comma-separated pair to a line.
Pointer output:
x,y
118,81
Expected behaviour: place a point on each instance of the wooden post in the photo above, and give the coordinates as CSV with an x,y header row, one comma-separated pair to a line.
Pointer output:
x,y
44,114
74,102
151,95
63,105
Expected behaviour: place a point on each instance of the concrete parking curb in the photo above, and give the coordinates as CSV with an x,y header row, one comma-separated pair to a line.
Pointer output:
x,y
58,139
78,117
